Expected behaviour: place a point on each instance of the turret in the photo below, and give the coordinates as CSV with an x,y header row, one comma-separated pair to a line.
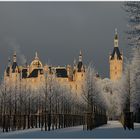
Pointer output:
x,y
116,60
14,65
80,63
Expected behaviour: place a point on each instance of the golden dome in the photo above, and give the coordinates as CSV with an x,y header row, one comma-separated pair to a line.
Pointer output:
x,y
36,63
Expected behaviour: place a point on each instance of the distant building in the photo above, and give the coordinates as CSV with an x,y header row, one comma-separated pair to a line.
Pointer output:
x,y
33,75
116,60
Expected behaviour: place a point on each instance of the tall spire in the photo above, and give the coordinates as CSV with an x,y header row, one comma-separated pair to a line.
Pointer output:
x,y
80,63
80,56
116,38
115,30
116,52
14,57
36,55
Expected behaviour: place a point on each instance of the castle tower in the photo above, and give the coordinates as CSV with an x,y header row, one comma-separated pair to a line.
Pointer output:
x,y
116,60
12,73
79,69
80,63
14,65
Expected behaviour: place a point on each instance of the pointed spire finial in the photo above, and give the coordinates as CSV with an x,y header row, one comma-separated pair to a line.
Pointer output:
x,y
80,52
116,31
80,56
36,55
14,57
116,38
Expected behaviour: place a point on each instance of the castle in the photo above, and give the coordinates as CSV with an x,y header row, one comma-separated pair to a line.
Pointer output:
x,y
35,73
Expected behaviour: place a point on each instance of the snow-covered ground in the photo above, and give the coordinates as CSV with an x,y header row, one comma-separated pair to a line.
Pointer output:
x,y
112,130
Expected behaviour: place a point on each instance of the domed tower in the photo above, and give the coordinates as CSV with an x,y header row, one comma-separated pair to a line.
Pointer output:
x,y
36,63
116,60
36,67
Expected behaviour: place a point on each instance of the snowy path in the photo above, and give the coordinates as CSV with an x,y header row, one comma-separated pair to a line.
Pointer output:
x,y
112,130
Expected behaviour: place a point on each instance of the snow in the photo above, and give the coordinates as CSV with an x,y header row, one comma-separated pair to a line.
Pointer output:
x,y
111,130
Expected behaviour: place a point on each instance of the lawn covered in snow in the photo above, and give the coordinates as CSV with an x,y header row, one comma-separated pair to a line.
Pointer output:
x,y
112,130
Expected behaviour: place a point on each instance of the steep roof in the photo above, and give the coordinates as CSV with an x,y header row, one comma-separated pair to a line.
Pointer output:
x,y
14,66
8,70
117,52
34,73
79,66
62,72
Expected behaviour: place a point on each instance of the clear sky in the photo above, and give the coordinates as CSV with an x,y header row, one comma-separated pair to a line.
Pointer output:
x,y
59,30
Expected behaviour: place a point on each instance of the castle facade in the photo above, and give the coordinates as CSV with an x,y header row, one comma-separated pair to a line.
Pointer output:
x,y
33,75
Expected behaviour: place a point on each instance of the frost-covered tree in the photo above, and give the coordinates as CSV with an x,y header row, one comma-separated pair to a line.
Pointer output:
x,y
94,100
110,93
133,37
135,72
133,16
131,80
89,92
126,89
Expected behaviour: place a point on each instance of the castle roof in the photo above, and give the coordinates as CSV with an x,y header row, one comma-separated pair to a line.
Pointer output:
x,y
117,52
14,66
8,70
61,72
79,66
34,73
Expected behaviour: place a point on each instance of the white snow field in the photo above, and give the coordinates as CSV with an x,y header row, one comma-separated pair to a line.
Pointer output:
x,y
111,130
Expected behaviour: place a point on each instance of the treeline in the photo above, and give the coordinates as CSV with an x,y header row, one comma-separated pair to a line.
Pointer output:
x,y
52,106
